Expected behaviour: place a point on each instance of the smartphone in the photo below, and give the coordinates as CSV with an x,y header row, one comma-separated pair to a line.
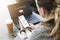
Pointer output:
x,y
23,21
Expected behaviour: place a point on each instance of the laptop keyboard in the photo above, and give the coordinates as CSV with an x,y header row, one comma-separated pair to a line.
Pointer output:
x,y
32,19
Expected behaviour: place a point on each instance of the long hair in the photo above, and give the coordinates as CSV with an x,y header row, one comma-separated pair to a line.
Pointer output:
x,y
55,33
56,30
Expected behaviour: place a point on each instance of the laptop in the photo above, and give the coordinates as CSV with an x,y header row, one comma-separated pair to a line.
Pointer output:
x,y
15,9
29,15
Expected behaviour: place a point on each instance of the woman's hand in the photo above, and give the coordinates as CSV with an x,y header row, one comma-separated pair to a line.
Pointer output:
x,y
30,27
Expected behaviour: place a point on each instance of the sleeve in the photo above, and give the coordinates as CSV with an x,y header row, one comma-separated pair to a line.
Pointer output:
x,y
37,33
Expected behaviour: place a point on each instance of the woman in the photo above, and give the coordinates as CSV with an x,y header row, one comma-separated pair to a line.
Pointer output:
x,y
46,8
43,30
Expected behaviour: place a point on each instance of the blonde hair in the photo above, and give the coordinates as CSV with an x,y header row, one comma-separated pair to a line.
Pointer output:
x,y
56,30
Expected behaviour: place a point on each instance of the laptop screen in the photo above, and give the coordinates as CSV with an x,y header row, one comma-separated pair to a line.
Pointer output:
x,y
25,10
